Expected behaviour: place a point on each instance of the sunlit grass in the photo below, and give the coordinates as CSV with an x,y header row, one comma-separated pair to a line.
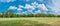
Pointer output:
x,y
52,21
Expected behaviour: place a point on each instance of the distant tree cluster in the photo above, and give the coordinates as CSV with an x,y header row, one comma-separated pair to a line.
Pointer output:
x,y
10,14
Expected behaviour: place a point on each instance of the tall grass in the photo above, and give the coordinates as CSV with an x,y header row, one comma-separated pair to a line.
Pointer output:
x,y
22,23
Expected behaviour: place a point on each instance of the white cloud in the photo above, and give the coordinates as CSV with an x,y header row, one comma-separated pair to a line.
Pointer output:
x,y
29,7
34,3
7,0
20,6
42,7
38,11
19,9
12,7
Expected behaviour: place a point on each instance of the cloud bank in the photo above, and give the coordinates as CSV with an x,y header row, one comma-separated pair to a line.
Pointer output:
x,y
41,8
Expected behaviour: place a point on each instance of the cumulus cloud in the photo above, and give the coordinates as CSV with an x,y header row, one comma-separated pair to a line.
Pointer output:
x,y
19,9
42,7
20,6
7,0
39,11
12,7
34,3
29,7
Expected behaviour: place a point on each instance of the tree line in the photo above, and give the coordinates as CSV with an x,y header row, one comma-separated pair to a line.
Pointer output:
x,y
9,13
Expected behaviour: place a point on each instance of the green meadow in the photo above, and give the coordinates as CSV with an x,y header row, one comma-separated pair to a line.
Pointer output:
x,y
35,21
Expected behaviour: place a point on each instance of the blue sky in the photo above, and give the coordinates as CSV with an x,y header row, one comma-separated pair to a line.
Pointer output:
x,y
31,6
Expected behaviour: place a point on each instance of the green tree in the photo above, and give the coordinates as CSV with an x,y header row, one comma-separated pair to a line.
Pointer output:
x,y
9,13
3,14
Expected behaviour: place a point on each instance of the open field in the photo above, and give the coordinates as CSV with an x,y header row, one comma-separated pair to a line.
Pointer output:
x,y
30,21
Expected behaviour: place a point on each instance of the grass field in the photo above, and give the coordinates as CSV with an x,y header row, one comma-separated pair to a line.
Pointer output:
x,y
30,21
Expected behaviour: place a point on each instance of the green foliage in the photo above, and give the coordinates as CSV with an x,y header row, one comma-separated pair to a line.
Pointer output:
x,y
36,15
